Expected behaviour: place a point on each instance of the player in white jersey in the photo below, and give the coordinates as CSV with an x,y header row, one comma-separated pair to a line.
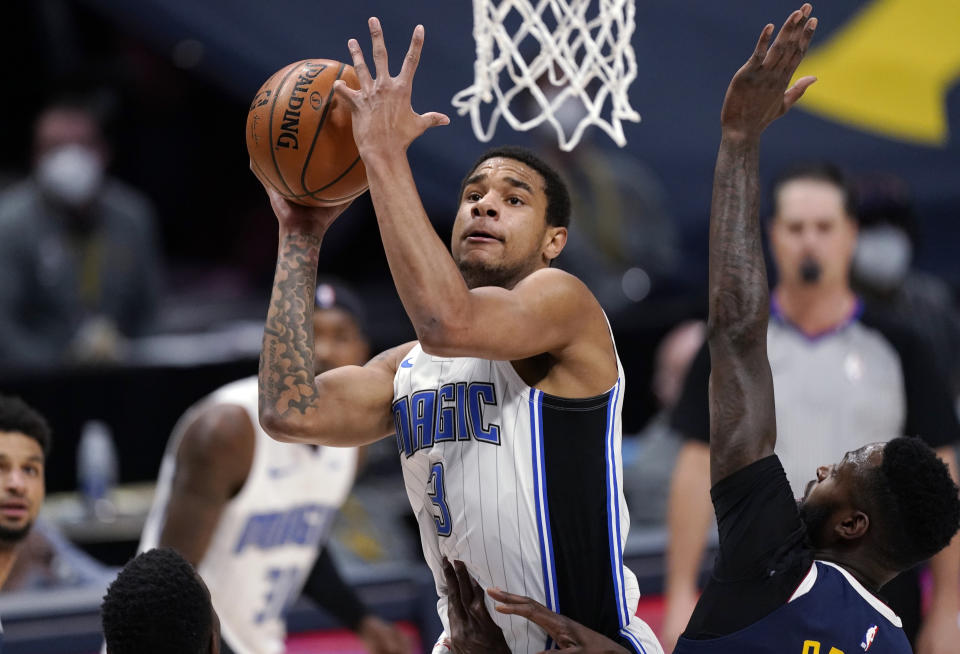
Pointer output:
x,y
253,514
507,409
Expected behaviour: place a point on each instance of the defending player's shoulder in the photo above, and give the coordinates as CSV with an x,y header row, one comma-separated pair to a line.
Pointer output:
x,y
219,440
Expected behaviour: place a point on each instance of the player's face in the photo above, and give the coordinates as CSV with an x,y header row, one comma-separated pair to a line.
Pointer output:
x,y
831,492
501,235
21,485
337,340
811,236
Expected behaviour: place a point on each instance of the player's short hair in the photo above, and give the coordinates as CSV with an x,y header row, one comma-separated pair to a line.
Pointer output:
x,y
18,416
157,605
821,171
913,501
558,197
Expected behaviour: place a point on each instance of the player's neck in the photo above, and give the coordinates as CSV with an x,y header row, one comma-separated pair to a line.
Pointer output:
x,y
815,310
862,567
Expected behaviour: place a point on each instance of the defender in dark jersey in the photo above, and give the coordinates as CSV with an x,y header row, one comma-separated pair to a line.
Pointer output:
x,y
788,579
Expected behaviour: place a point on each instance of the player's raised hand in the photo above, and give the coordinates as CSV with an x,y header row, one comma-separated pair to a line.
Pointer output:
x,y
472,630
571,637
758,93
383,118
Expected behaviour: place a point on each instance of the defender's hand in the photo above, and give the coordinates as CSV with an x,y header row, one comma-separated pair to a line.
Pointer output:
x,y
298,218
472,630
383,119
758,93
571,637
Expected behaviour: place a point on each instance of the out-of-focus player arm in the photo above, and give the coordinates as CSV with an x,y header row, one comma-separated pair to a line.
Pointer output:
x,y
688,521
345,406
742,418
938,634
326,587
546,312
213,460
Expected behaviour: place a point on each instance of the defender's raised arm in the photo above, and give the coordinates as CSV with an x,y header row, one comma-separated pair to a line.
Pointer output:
x,y
742,420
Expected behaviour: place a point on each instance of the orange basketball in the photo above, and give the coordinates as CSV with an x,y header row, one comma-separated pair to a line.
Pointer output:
x,y
300,137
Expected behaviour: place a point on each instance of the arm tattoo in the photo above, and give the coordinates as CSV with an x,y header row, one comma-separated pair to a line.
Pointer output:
x,y
286,360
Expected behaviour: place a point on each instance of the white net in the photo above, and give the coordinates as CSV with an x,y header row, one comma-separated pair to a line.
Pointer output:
x,y
551,55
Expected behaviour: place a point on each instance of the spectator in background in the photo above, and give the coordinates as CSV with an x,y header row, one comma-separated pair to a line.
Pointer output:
x,y
158,604
622,239
654,451
883,274
33,554
842,378
79,266
225,485
48,561
24,444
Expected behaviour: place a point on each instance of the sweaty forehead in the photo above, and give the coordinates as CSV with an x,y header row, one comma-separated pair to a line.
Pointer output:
x,y
867,456
501,167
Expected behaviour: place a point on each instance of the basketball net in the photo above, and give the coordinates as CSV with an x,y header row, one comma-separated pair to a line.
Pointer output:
x,y
584,49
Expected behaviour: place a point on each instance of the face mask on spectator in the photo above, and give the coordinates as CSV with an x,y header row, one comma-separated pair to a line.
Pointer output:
x,y
70,174
883,256
810,271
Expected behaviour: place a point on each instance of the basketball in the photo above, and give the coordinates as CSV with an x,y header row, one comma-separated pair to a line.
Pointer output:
x,y
300,136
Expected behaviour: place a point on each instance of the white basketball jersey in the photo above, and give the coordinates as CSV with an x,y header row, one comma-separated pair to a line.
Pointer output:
x,y
524,488
270,534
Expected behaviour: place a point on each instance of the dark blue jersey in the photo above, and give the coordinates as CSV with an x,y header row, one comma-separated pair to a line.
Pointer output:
x,y
831,613
766,592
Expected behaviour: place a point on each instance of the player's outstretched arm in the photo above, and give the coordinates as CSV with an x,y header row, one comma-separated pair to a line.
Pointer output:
x,y
213,460
544,313
742,419
345,406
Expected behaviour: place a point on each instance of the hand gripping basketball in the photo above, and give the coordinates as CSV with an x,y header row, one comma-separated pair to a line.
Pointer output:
x,y
383,119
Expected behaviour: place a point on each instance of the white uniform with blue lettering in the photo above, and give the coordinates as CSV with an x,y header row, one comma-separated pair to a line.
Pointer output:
x,y
524,488
270,534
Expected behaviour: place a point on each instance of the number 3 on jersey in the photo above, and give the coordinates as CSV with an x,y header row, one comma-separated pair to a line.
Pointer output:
x,y
435,489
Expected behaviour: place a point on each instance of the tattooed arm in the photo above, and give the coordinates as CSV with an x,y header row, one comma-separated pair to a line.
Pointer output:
x,y
742,420
345,406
